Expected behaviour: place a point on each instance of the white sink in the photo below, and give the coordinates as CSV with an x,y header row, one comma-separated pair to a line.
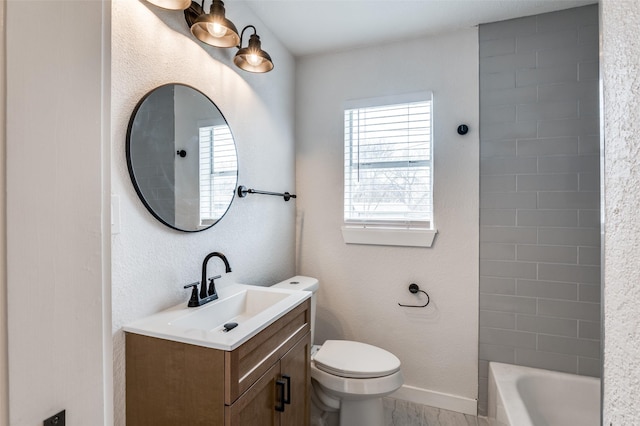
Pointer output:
x,y
253,308
238,308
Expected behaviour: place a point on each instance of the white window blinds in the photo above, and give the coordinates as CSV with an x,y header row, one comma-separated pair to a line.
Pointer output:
x,y
388,163
218,170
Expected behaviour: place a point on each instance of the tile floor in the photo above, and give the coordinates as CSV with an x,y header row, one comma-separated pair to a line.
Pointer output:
x,y
404,413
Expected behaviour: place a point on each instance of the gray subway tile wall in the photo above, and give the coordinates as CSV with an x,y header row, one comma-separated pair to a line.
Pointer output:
x,y
539,193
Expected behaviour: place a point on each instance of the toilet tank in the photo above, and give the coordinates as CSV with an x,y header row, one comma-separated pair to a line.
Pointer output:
x,y
300,282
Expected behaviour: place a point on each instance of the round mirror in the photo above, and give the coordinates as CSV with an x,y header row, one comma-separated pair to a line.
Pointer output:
x,y
182,158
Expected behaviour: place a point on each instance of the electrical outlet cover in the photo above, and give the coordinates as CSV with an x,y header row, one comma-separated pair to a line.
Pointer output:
x,y
56,420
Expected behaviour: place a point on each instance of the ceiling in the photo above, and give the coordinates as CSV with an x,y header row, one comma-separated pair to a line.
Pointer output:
x,y
307,27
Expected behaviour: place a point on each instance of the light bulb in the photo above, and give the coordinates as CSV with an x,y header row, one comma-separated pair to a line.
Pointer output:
x,y
253,59
216,30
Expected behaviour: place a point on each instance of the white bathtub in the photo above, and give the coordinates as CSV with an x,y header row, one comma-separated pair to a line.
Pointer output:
x,y
523,396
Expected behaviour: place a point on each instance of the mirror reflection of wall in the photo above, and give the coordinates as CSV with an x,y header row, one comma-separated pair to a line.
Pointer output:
x,y
191,192
153,151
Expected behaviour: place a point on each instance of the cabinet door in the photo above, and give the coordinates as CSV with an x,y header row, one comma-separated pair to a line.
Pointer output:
x,y
296,365
256,407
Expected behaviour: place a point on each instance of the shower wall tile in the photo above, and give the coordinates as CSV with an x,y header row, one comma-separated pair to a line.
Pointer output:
x,y
569,164
504,63
569,273
510,96
545,325
542,40
548,254
508,29
557,182
589,293
539,193
508,166
547,147
497,217
582,90
500,113
515,304
491,268
588,35
568,18
495,336
588,70
568,200
547,289
589,219
507,234
506,354
568,309
499,148
535,76
569,346
496,251
500,46
509,200
548,218
495,285
589,367
565,55
589,144
589,181
500,183
547,360
504,320
499,80
589,330
588,237
589,108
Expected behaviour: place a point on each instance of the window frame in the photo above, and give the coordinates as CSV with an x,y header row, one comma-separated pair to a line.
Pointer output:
x,y
410,233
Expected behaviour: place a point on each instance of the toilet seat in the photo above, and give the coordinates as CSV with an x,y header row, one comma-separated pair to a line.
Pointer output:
x,y
344,358
345,388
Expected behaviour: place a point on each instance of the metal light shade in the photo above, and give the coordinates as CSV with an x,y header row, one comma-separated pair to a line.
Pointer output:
x,y
214,28
171,4
252,58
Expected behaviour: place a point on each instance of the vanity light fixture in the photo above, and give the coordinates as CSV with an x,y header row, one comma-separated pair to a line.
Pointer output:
x,y
212,28
252,58
215,29
171,4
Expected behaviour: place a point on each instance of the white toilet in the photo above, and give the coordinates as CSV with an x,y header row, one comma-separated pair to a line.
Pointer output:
x,y
349,377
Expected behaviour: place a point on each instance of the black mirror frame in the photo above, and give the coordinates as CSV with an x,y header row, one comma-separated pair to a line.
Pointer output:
x,y
130,164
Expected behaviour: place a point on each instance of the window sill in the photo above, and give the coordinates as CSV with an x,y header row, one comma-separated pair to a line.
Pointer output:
x,y
389,236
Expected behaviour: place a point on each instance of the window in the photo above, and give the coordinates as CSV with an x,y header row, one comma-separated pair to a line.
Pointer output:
x,y
388,165
218,170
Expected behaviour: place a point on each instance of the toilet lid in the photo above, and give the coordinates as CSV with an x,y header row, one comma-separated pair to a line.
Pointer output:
x,y
345,358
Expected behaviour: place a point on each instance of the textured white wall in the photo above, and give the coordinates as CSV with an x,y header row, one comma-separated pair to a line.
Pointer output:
x,y
621,81
151,262
55,245
4,373
361,285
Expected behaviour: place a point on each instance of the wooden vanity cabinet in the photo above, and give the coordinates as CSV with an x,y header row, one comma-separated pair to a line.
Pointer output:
x,y
256,406
170,383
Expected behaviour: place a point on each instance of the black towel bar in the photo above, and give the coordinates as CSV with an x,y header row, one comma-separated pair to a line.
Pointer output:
x,y
243,191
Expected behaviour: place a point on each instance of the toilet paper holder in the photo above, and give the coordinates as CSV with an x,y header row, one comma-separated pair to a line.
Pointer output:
x,y
414,288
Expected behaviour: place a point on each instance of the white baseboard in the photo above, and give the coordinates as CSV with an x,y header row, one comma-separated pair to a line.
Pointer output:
x,y
437,399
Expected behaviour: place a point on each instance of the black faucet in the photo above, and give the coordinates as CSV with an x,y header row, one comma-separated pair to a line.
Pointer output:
x,y
206,295
212,287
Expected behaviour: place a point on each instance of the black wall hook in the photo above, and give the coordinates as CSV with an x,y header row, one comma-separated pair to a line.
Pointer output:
x,y
413,288
463,129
